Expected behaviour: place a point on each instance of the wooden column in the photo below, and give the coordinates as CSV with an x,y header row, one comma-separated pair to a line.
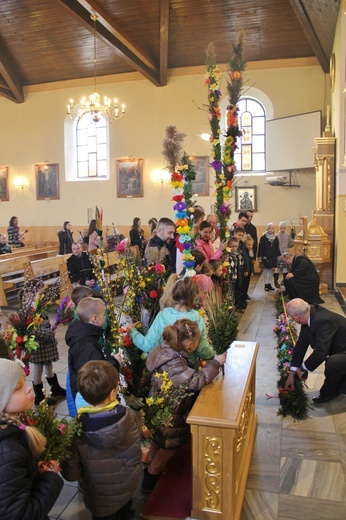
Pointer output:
x,y
223,425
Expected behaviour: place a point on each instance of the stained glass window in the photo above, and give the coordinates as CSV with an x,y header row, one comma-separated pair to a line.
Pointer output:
x,y
250,155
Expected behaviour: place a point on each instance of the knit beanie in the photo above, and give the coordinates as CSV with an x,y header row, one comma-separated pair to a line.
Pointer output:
x,y
10,374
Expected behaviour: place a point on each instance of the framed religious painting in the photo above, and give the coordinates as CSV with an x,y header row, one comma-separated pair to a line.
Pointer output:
x,y
245,198
4,193
200,185
47,181
129,177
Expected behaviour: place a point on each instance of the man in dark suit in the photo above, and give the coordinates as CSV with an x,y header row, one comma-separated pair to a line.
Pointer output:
x,y
303,280
80,268
325,332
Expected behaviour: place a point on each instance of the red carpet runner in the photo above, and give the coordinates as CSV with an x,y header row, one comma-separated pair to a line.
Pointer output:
x,y
172,496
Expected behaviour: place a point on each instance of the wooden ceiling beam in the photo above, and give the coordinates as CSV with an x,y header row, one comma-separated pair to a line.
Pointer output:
x,y
310,33
113,36
164,38
12,89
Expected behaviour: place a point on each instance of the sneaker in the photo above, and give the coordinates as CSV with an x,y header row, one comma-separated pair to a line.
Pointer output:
x,y
149,481
323,399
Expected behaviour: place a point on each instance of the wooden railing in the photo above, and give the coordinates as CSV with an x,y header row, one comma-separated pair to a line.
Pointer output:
x,y
223,426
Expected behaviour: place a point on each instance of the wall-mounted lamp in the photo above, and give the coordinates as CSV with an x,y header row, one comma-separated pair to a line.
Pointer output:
x,y
21,183
205,137
161,176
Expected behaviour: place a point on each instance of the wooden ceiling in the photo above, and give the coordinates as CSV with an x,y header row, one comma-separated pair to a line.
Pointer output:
x,y
43,41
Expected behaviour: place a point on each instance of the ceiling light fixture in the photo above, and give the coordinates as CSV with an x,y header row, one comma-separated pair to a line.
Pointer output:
x,y
93,106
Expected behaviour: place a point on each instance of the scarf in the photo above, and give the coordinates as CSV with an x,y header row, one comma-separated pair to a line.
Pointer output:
x,y
91,409
269,236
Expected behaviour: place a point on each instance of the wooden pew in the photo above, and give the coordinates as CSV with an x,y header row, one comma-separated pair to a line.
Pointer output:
x,y
223,426
31,250
48,270
12,271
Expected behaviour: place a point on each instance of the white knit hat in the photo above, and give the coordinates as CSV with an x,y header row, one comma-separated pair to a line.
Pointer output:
x,y
10,374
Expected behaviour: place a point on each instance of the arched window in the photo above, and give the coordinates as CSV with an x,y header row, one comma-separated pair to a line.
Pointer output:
x,y
91,141
250,155
86,149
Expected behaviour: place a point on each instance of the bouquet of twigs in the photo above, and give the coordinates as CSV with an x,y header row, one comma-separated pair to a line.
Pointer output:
x,y
222,324
59,433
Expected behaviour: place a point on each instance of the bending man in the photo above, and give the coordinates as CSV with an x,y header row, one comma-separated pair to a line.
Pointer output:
x,y
325,332
303,280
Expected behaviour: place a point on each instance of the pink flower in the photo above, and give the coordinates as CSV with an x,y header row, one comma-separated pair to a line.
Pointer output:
x,y
62,428
159,268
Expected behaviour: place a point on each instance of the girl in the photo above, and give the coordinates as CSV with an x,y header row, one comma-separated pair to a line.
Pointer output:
x,y
152,223
28,489
93,242
65,237
268,253
14,236
249,244
137,235
184,294
285,242
171,356
47,351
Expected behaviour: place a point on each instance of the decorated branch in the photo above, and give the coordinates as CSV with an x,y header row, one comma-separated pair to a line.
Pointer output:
x,y
182,174
295,401
223,156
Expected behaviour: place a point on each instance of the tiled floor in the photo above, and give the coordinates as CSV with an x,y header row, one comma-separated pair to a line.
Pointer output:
x,y
298,469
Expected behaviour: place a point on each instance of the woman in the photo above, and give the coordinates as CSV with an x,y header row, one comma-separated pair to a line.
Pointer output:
x,y
152,223
93,242
65,238
137,235
14,236
268,254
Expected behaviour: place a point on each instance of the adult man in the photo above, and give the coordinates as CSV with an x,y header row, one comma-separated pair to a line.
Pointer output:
x,y
241,222
161,246
325,332
251,230
303,280
4,246
80,268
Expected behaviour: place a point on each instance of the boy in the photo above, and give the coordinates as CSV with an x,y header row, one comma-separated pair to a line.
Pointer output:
x,y
83,338
106,457
233,244
243,271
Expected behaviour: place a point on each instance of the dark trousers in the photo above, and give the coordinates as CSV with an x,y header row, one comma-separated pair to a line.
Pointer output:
x,y
335,375
127,512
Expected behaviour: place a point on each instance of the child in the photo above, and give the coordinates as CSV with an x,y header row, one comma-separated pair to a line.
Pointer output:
x,y
233,244
171,356
249,244
243,271
217,276
184,296
47,351
83,337
285,242
205,244
28,489
268,254
106,457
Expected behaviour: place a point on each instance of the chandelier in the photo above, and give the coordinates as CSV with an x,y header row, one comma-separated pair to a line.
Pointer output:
x,y
93,105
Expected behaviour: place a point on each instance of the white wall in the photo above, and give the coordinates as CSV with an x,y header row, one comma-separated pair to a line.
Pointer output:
x,y
32,132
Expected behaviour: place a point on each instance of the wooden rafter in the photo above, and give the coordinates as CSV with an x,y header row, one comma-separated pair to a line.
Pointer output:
x,y
164,37
113,36
310,33
11,88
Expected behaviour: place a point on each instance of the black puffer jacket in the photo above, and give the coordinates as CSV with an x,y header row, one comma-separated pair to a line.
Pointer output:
x,y
84,342
25,494
165,359
107,458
